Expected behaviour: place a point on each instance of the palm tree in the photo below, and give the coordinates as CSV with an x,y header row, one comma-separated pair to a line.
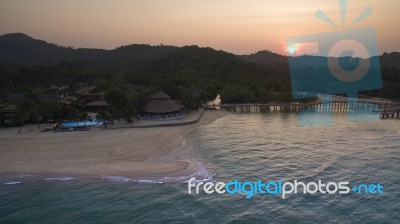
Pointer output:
x,y
74,115
28,109
125,113
51,110
118,99
104,116
24,113
84,116
134,104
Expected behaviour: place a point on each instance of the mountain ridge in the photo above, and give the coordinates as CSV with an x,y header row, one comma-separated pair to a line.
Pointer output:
x,y
20,48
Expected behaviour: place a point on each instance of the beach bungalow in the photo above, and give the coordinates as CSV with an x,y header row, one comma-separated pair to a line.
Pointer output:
x,y
83,90
8,115
57,92
97,105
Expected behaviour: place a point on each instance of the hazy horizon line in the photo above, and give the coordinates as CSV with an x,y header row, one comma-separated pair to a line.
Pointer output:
x,y
171,45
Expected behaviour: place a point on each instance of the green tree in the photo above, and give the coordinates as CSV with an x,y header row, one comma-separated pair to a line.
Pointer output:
x,y
229,93
28,109
84,116
118,100
104,116
51,110
116,97
132,104
185,97
74,115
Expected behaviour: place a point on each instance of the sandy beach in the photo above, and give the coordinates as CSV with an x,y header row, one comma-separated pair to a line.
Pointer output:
x,y
128,152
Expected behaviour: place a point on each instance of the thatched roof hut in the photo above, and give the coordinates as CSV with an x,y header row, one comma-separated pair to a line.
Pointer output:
x,y
162,103
97,105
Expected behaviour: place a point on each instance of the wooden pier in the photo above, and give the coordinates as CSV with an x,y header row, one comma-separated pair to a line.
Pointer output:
x,y
387,109
390,112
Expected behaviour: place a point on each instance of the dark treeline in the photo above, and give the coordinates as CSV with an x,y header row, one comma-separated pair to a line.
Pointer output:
x,y
188,69
204,70
261,77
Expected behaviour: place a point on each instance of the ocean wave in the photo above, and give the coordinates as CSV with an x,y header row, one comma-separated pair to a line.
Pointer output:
x,y
117,178
34,178
12,183
60,178
150,182
128,179
201,175
26,175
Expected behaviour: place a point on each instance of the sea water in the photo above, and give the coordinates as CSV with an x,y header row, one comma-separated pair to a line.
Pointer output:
x,y
245,147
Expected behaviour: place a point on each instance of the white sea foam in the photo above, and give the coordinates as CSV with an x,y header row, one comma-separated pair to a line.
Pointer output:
x,y
201,175
128,179
59,178
117,178
12,183
150,182
26,175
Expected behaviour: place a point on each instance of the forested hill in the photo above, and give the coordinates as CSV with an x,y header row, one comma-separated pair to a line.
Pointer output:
x,y
19,48
260,77
265,57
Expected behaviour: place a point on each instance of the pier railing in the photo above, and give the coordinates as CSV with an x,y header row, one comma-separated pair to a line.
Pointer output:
x,y
390,112
340,105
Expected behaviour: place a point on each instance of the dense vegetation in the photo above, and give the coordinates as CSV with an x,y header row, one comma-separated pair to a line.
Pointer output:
x,y
26,63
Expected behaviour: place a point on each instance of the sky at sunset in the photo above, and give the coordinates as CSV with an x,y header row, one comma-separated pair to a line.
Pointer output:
x,y
237,26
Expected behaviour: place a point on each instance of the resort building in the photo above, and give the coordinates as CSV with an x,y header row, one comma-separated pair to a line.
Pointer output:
x,y
97,105
161,106
8,115
83,90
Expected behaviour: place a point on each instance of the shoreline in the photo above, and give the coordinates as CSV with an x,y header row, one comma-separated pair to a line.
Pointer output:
x,y
148,153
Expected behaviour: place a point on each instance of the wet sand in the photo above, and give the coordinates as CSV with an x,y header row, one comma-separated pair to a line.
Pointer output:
x,y
130,152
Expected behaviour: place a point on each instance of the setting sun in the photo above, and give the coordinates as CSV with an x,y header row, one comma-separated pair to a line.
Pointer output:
x,y
239,27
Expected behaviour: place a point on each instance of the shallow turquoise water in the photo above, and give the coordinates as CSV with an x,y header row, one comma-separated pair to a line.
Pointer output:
x,y
241,146
82,123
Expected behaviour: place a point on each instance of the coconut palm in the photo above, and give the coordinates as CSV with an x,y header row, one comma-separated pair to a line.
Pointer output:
x,y
51,110
74,115
24,113
84,116
104,116
28,109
